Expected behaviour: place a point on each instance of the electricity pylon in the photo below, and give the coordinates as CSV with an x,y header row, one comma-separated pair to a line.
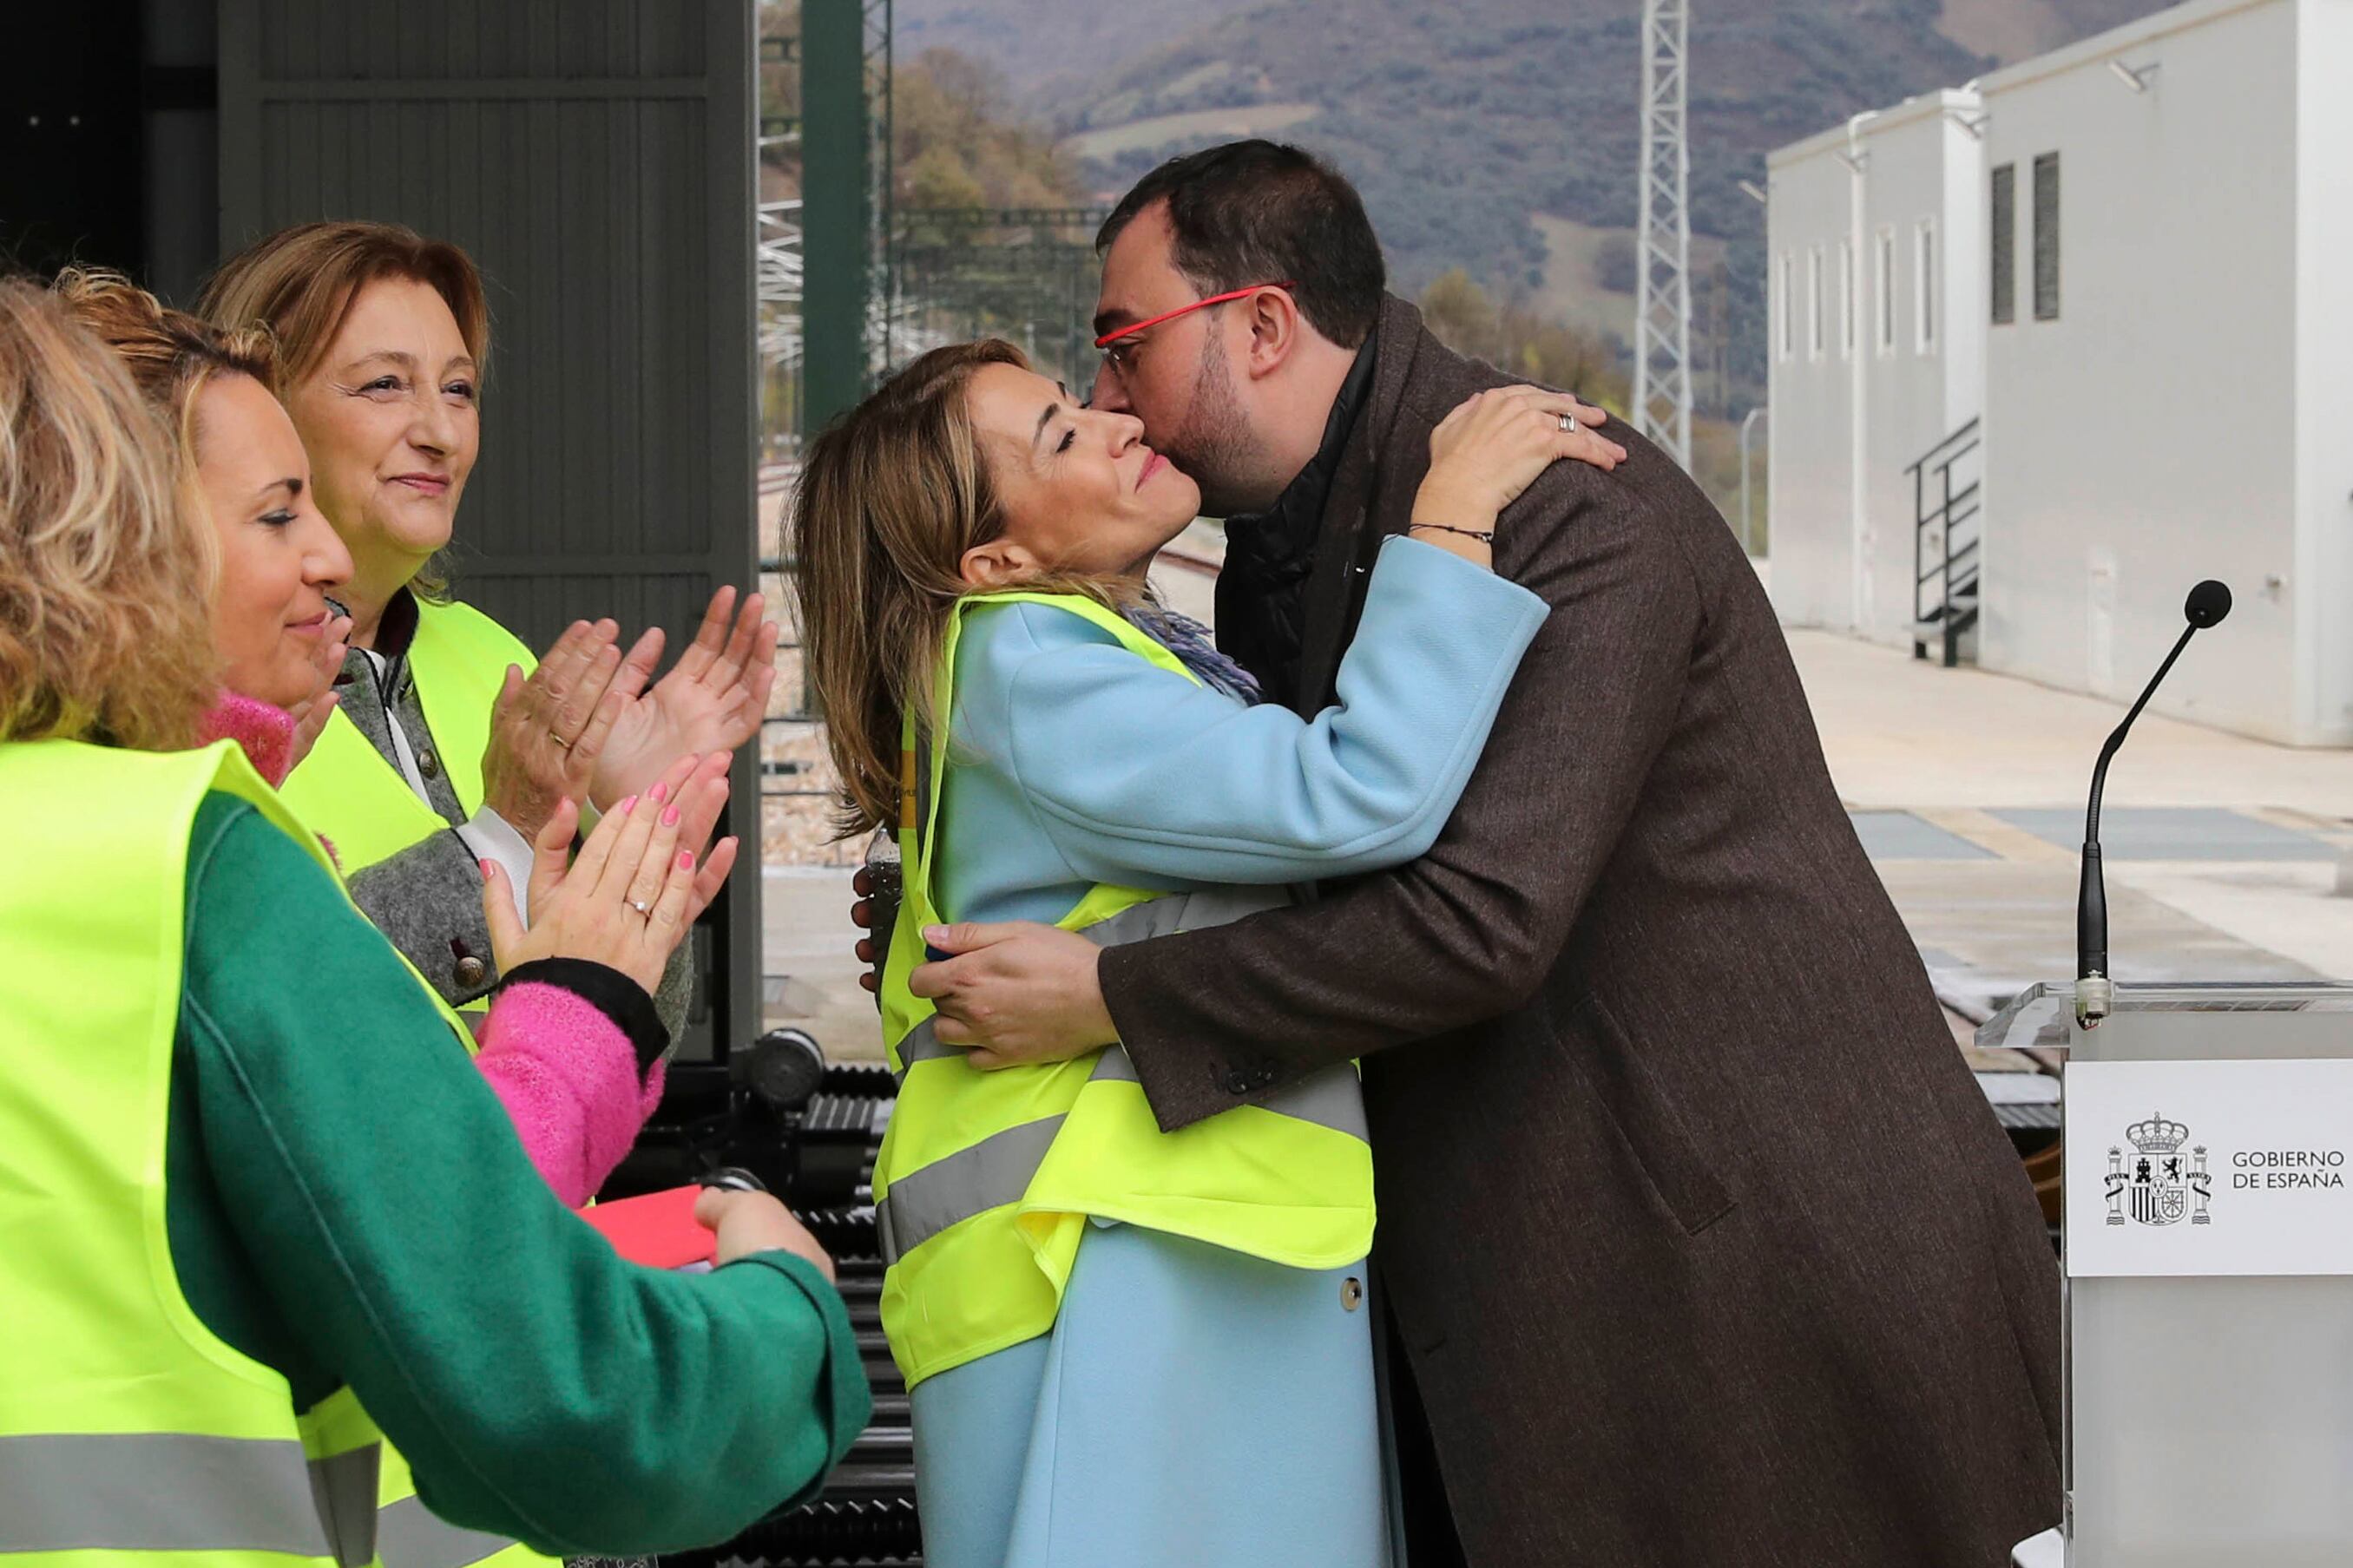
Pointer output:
x,y
1663,383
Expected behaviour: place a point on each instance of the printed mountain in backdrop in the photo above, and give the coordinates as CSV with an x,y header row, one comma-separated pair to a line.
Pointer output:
x,y
1496,135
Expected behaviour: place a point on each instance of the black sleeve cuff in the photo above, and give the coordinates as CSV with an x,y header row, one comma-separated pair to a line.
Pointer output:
x,y
608,991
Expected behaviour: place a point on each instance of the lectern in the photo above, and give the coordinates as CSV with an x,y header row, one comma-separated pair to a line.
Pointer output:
x,y
2208,1293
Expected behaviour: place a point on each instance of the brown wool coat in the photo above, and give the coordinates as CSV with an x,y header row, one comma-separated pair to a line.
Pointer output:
x,y
1703,1244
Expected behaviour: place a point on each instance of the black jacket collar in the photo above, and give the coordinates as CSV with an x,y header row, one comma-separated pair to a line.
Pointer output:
x,y
1261,591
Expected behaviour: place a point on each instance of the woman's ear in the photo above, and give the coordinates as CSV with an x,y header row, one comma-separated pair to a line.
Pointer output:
x,y
999,564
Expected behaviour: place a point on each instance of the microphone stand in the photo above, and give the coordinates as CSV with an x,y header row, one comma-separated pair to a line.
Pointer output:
x,y
2094,992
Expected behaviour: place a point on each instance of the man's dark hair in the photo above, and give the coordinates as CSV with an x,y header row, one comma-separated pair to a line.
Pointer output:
x,y
1262,212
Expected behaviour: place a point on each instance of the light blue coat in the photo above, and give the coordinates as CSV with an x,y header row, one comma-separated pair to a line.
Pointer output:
x,y
1192,1408
1073,762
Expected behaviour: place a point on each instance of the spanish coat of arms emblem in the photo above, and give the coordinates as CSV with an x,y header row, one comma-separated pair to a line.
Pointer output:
x,y
2158,1182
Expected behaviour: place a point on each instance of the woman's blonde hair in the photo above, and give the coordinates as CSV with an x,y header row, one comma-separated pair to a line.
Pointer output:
x,y
170,355
105,580
891,497
300,283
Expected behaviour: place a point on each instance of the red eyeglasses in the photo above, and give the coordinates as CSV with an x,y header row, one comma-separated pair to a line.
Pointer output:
x,y
1112,356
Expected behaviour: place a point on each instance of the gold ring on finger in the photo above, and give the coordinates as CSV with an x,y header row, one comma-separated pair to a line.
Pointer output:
x,y
557,736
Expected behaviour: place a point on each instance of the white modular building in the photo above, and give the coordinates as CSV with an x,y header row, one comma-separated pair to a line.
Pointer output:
x,y
2135,368
1874,229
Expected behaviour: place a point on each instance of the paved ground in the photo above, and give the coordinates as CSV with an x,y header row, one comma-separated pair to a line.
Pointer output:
x,y
1968,789
812,978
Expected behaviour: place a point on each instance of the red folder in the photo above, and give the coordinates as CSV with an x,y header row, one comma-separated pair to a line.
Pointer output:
x,y
657,1230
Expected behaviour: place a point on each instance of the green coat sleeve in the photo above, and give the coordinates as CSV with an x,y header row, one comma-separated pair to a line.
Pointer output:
x,y
540,1387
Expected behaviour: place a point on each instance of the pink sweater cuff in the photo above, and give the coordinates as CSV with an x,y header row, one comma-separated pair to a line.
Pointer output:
x,y
266,734
568,1078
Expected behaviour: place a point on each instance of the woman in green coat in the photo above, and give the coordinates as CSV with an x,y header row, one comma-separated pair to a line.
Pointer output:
x,y
259,1215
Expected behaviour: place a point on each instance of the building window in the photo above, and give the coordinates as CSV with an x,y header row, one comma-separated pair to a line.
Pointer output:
x,y
1924,286
2046,237
1781,303
1883,284
1846,297
2005,245
1816,322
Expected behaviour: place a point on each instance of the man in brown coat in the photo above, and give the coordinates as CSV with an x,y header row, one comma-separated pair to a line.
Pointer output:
x,y
1701,1242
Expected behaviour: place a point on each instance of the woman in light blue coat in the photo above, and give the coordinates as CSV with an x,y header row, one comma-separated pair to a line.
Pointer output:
x,y
1191,1407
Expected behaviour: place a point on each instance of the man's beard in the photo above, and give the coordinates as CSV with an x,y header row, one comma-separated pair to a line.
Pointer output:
x,y
1215,447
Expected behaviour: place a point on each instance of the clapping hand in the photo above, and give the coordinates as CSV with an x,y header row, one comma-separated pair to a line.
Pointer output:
x,y
713,700
310,714
549,730
629,899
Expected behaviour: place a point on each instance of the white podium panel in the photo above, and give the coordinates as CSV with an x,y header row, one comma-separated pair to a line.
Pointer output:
x,y
2208,1303
2211,1422
2210,1167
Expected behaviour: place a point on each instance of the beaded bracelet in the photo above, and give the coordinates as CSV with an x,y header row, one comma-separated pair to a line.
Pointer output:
x,y
1486,538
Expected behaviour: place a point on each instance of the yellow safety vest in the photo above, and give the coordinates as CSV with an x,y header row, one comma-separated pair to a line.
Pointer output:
x,y
356,797
126,1425
349,792
985,1180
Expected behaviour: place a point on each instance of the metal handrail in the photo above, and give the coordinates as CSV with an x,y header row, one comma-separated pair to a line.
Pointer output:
x,y
1967,432
1748,518
1954,568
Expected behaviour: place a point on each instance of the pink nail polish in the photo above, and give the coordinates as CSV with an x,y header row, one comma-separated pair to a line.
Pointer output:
x,y
661,792
670,817
625,807
686,860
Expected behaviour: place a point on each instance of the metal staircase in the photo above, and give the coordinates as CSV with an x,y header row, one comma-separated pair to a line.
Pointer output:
x,y
1946,533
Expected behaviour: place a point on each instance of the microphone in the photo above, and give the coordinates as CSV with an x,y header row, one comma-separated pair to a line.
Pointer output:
x,y
2207,605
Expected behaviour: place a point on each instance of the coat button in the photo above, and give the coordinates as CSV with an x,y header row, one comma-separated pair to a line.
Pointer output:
x,y
1264,1077
472,972
429,765
1238,1082
1352,1293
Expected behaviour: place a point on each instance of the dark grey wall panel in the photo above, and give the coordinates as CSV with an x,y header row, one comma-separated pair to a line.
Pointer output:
x,y
596,158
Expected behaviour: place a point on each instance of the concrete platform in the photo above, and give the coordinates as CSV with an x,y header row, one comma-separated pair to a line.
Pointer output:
x,y
1905,732
2221,851
812,981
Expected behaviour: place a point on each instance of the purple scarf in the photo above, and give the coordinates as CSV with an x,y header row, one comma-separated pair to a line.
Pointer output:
x,y
1189,639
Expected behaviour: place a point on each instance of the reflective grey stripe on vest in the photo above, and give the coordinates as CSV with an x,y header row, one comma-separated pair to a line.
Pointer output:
x,y
989,1174
922,1044
1114,1066
1197,910
1332,1098
996,1170
344,1487
410,1535
168,1491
